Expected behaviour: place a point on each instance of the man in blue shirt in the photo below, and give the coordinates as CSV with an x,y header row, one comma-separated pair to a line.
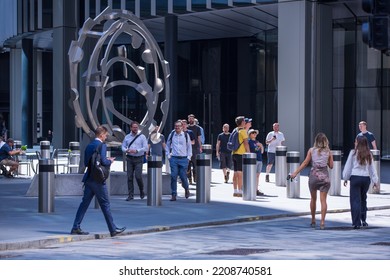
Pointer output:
x,y
6,153
370,137
179,153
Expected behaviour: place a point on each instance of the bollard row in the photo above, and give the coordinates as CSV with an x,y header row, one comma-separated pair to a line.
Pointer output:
x,y
288,162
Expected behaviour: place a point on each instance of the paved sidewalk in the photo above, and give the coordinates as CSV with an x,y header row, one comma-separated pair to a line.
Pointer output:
x,y
23,227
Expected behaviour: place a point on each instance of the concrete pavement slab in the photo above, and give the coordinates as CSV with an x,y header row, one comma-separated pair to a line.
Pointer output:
x,y
23,227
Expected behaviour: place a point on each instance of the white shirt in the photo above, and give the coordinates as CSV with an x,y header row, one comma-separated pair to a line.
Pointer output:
x,y
179,146
353,167
277,142
140,144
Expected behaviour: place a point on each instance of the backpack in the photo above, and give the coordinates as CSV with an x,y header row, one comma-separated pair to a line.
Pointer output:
x,y
233,144
98,171
171,135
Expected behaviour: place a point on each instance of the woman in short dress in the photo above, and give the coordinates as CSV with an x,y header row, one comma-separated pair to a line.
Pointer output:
x,y
321,158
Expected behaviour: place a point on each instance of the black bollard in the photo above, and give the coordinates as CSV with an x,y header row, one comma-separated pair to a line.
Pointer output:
x,y
293,185
46,188
249,186
45,149
154,190
335,174
280,166
203,178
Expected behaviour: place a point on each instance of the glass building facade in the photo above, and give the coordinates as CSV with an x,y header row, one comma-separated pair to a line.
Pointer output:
x,y
360,87
227,58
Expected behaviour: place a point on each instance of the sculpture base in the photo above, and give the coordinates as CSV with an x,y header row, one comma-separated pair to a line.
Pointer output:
x,y
70,184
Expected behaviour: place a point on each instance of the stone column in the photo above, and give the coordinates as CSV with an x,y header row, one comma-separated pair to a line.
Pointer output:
x,y
64,31
304,72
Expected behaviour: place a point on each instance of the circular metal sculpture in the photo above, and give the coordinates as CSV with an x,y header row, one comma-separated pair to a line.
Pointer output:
x,y
109,36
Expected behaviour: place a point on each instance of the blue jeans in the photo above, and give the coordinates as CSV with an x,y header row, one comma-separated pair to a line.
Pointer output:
x,y
178,168
91,189
358,198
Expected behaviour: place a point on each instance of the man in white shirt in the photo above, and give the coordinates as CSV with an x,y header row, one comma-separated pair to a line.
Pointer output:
x,y
135,145
273,139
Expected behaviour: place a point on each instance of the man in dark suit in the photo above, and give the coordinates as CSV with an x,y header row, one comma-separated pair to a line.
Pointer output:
x,y
92,188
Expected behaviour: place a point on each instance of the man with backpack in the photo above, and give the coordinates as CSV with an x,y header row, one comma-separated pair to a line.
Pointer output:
x,y
238,144
92,187
179,152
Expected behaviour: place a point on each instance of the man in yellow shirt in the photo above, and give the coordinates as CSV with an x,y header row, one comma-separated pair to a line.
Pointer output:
x,y
237,155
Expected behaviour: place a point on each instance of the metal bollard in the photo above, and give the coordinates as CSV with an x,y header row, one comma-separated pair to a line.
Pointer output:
x,y
293,186
46,188
208,150
154,191
203,179
335,174
249,176
280,166
45,149
74,157
377,164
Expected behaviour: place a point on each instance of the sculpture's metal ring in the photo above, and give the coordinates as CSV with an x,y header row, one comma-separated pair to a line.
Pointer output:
x,y
108,30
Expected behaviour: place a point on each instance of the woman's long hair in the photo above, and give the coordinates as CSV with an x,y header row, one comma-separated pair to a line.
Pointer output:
x,y
321,143
362,151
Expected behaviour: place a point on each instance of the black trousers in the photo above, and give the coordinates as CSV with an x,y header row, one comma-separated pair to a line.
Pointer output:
x,y
134,169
